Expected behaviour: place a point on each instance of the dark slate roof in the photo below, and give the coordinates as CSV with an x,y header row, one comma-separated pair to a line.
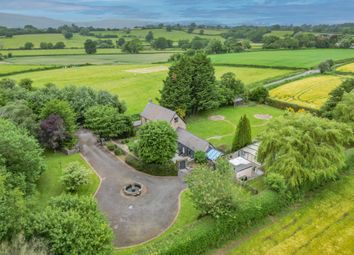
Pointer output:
x,y
156,112
191,141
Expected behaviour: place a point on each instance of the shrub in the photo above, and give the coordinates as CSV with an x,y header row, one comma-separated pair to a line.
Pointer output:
x,y
167,169
276,182
259,94
118,151
200,157
111,146
74,176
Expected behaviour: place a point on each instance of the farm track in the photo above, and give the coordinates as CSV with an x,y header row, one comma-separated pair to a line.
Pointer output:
x,y
293,77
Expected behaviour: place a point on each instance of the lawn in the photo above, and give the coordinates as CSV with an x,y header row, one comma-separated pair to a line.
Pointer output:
x,y
287,58
321,225
220,133
143,58
8,69
49,184
132,87
187,215
17,41
346,68
311,92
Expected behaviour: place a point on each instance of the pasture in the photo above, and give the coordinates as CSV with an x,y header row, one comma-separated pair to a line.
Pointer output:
x,y
49,184
346,68
17,41
51,52
221,132
322,225
9,69
174,35
283,58
134,87
311,92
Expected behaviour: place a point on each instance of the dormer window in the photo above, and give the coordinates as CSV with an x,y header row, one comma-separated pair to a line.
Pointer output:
x,y
175,119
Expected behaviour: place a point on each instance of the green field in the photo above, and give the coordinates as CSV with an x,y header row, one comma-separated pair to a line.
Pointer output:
x,y
143,58
8,69
323,225
174,35
51,52
311,92
287,58
220,133
17,41
281,34
49,184
134,87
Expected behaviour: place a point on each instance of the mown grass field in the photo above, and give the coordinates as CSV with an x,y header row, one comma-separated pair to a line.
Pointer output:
x,y
107,59
49,184
220,133
311,92
346,68
133,87
287,58
280,34
187,215
322,225
17,41
7,69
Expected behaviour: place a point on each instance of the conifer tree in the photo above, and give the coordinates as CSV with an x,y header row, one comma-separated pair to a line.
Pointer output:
x,y
190,85
243,134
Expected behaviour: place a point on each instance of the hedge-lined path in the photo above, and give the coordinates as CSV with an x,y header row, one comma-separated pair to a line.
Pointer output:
x,y
293,77
133,219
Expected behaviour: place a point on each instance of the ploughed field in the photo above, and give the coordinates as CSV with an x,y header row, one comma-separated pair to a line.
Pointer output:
x,y
135,84
284,58
311,92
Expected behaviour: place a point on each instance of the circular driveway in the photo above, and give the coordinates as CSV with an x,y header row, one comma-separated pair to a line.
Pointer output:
x,y
133,219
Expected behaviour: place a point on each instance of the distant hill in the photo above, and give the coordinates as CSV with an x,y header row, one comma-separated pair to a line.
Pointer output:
x,y
17,20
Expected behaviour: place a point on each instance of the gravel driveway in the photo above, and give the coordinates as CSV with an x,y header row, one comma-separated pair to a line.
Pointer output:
x,y
133,219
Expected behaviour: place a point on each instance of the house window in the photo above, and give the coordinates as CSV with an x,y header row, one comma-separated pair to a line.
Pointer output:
x,y
175,119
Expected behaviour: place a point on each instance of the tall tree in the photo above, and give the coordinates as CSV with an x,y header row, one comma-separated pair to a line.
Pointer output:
x,y
190,85
344,111
90,46
243,135
229,88
176,91
306,150
149,37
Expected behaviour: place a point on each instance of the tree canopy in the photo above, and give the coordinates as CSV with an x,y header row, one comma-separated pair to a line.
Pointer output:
x,y
190,85
306,150
157,142
22,156
107,122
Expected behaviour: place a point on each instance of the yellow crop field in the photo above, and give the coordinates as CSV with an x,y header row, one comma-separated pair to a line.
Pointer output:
x,y
346,68
310,92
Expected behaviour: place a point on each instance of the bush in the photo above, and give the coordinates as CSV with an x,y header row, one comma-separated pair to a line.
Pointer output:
x,y
200,157
259,94
74,176
276,182
118,151
167,169
111,146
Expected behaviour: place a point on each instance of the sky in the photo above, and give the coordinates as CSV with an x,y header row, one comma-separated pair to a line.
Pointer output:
x,y
227,12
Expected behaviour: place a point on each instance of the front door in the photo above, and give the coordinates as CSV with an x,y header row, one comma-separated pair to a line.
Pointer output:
x,y
182,164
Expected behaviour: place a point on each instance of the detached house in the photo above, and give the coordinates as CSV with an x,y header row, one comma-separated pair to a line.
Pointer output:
x,y
188,143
